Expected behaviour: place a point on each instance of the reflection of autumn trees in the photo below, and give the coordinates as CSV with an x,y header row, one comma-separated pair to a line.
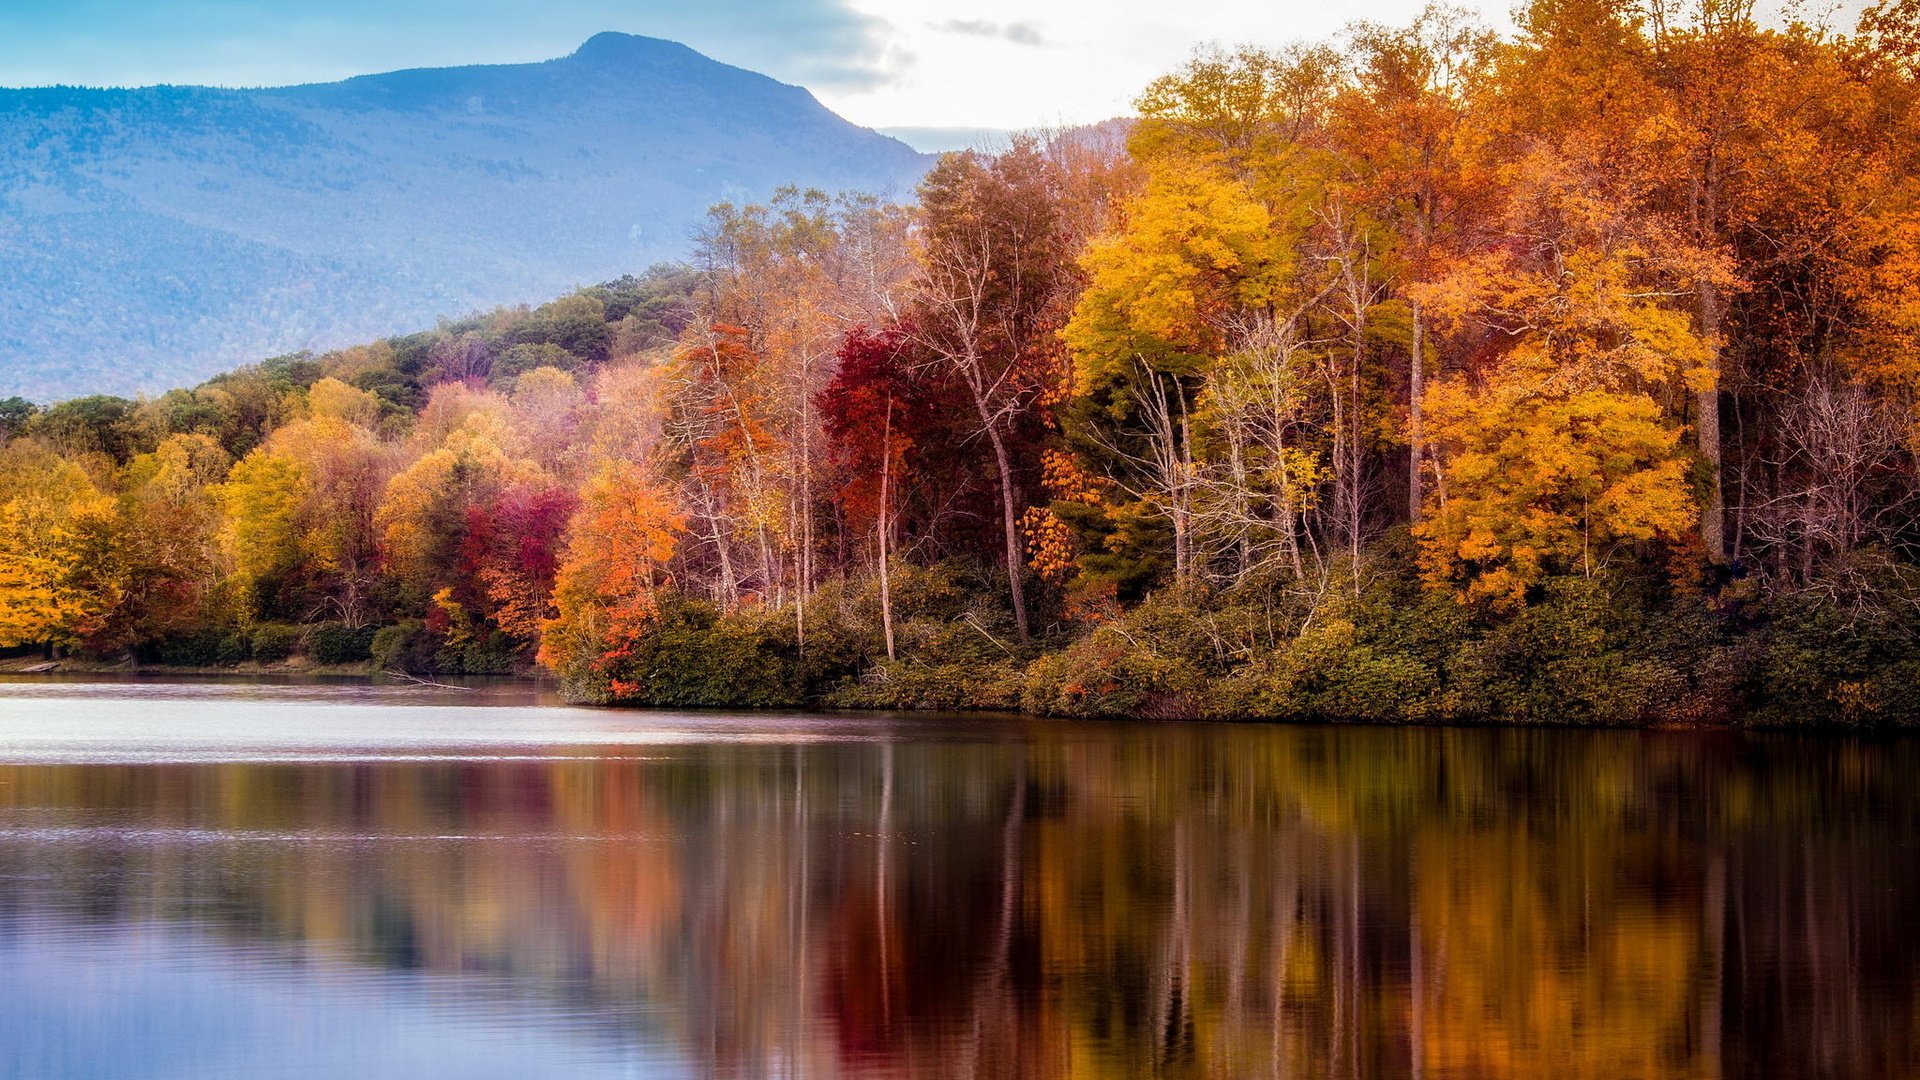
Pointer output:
x,y
1081,902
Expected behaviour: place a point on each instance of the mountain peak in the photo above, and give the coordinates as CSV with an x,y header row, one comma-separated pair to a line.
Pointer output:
x,y
611,46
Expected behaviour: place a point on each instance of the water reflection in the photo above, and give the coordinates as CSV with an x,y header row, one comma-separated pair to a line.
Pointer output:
x,y
971,898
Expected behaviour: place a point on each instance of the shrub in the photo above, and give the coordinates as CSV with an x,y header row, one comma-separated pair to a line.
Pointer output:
x,y
207,648
1852,661
918,684
695,657
337,643
406,646
953,635
1589,652
494,654
1332,672
270,642
233,648
1153,662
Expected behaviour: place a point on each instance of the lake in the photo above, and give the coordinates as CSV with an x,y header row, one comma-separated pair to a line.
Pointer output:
x,y
203,879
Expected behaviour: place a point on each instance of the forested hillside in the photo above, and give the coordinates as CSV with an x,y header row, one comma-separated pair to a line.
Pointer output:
x,y
152,237
1423,375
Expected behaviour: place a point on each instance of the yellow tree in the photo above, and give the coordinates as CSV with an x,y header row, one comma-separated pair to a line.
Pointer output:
x,y
1564,444
1560,455
1197,259
348,466
1544,483
299,509
1216,257
261,500
50,510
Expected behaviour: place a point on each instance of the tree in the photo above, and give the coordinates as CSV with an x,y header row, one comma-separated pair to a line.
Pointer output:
x,y
606,593
262,498
872,413
788,279
720,423
168,565
98,424
987,301
1403,128
423,518
348,466
513,553
51,515
1213,259
15,412
1543,483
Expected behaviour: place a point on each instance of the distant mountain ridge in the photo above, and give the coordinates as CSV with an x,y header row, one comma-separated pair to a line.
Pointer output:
x,y
152,237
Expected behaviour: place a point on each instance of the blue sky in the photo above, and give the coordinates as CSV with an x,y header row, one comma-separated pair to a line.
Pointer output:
x,y
883,63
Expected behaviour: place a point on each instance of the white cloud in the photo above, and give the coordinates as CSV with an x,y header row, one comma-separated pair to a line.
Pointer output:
x,y
1020,33
1085,60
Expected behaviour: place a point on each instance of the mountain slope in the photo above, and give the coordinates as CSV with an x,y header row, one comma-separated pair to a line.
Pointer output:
x,y
151,237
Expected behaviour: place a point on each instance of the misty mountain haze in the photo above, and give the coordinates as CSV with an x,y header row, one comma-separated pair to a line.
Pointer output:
x,y
152,237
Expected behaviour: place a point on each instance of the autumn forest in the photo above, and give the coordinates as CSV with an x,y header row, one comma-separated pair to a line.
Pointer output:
x,y
1426,374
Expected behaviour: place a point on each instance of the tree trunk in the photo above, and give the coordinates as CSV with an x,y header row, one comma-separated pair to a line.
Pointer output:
x,y
1707,402
803,564
1354,448
1416,422
886,478
1171,466
730,598
799,603
1010,519
1707,423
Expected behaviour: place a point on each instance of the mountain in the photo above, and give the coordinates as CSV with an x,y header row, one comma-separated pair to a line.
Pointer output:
x,y
151,237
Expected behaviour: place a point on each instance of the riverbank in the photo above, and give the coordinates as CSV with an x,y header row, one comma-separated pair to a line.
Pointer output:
x,y
1615,651
85,665
1620,650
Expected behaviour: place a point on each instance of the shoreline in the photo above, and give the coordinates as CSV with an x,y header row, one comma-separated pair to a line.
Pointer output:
x,y
293,666
22,668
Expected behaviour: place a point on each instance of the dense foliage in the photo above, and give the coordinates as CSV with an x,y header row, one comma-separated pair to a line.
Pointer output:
x,y
1433,376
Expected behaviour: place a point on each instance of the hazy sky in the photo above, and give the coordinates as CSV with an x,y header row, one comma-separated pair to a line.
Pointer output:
x,y
986,63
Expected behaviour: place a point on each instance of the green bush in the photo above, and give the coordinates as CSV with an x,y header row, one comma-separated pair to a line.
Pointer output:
x,y
696,657
207,648
1594,652
1624,648
953,636
1332,672
1853,661
233,648
406,646
338,643
270,642
918,684
1153,662
494,654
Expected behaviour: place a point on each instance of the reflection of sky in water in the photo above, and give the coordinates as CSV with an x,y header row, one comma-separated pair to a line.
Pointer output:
x,y
124,722
168,1000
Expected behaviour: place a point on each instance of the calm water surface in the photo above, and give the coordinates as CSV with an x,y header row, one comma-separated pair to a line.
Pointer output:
x,y
208,879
